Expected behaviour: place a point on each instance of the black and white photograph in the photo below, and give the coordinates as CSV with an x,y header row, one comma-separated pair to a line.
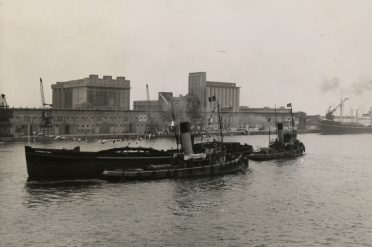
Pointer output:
x,y
185,123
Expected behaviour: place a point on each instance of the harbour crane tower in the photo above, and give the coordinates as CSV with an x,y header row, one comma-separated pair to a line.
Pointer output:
x,y
147,93
331,111
46,112
3,102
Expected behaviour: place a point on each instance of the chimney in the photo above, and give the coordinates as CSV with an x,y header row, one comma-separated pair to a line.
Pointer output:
x,y
280,132
186,141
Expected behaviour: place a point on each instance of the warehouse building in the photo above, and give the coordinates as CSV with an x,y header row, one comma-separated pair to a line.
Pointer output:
x,y
92,93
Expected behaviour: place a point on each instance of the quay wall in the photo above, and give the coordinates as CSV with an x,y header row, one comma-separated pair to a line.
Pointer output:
x,y
21,122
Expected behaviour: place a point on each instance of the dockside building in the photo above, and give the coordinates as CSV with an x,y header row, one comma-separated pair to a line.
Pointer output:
x,y
100,106
92,93
227,93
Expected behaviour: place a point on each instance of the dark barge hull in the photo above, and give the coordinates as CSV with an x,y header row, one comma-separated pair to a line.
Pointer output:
x,y
328,127
45,163
59,163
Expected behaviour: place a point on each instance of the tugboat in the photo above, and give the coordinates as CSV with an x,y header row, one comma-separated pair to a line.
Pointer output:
x,y
286,145
213,161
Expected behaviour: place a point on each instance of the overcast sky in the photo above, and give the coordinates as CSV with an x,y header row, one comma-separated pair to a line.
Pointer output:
x,y
300,51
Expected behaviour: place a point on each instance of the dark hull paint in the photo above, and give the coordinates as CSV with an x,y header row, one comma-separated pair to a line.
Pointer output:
x,y
274,156
198,171
336,128
61,164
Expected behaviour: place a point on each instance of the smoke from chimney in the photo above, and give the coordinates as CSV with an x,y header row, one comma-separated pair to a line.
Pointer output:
x,y
361,85
329,85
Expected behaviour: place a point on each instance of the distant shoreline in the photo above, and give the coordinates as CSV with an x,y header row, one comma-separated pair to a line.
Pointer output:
x,y
132,136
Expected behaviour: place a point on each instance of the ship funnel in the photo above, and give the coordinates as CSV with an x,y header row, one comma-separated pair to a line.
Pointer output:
x,y
280,132
186,141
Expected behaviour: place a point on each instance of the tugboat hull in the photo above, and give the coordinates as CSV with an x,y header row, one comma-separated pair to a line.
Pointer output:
x,y
274,156
232,166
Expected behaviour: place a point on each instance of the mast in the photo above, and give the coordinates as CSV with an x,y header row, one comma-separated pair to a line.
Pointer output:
x,y
276,123
292,121
28,134
290,105
213,98
341,108
219,120
147,109
269,120
174,124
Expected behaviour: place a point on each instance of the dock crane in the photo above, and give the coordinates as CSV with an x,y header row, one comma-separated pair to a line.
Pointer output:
x,y
3,102
147,93
46,112
147,127
329,114
43,104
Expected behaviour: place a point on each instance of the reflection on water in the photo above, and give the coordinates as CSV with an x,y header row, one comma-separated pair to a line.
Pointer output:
x,y
45,193
321,198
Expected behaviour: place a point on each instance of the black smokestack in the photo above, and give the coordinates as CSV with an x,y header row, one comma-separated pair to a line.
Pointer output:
x,y
280,132
186,141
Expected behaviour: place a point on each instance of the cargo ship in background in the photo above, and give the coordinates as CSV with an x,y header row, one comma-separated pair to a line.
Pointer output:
x,y
345,124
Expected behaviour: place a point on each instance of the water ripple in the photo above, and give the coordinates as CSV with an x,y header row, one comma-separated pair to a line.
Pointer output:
x,y
320,199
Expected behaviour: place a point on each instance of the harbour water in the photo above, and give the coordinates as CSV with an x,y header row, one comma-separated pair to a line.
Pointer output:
x,y
321,198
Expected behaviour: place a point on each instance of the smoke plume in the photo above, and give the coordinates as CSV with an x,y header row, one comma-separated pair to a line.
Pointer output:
x,y
329,85
361,85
